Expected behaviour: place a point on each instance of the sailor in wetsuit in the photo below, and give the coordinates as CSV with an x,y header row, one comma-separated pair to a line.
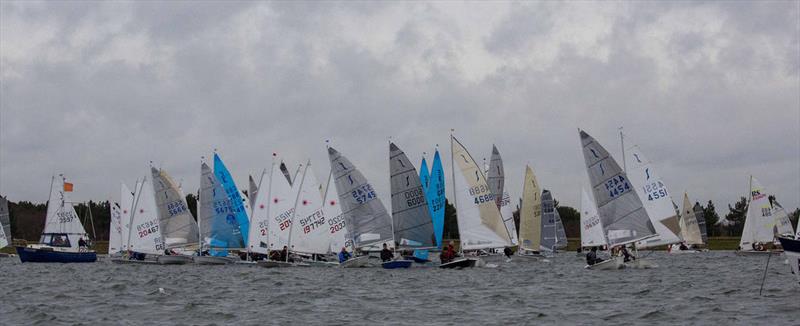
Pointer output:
x,y
386,254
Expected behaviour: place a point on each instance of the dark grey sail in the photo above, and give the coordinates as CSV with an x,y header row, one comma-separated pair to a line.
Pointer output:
x,y
367,221
413,225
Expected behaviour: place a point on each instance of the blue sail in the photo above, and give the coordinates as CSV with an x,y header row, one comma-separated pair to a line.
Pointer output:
x,y
237,203
436,199
424,178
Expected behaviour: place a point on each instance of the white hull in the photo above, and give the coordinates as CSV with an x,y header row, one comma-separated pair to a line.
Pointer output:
x,y
613,263
212,260
174,260
133,261
756,253
317,263
356,262
279,264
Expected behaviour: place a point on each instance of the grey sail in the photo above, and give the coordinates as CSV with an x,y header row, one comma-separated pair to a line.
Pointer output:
x,y
5,222
561,234
701,222
218,229
178,227
496,176
366,218
621,212
252,191
413,225
549,228
285,172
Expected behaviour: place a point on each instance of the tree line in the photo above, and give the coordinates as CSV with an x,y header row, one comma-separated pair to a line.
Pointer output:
x,y
27,218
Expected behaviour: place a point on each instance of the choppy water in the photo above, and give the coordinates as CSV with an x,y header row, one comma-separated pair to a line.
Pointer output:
x,y
709,288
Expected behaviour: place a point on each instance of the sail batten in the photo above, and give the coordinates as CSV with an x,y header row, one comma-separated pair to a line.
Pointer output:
x,y
178,226
655,198
412,221
496,180
530,228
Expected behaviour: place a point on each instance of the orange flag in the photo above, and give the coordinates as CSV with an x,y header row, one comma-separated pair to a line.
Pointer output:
x,y
67,187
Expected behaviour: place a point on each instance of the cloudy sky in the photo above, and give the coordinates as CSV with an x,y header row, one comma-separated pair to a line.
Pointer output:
x,y
709,91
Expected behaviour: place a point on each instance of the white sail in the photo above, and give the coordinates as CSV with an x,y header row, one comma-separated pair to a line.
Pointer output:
x,y
115,228
5,223
367,219
258,237
281,197
591,228
496,180
480,225
61,217
413,225
783,226
624,218
655,198
530,218
309,230
145,232
335,219
126,200
759,221
690,229
178,226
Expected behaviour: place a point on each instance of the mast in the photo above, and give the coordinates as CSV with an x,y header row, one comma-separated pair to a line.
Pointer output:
x,y
453,171
622,144
294,210
269,201
198,208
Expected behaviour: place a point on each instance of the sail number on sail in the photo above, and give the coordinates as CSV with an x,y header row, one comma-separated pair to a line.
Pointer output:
x,y
65,216
313,221
146,228
414,197
617,186
262,227
283,220
655,190
591,222
363,193
176,207
336,224
478,193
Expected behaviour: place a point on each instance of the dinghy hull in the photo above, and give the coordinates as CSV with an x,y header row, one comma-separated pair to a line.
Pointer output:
x,y
791,248
174,260
279,264
395,264
416,259
212,260
121,260
756,252
460,263
48,255
356,262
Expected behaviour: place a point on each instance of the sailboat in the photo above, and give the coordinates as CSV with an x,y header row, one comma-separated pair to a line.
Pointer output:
x,y
591,227
655,198
115,230
783,225
496,180
178,226
218,229
237,204
413,225
553,235
5,226
336,221
308,230
480,225
758,234
144,240
274,212
690,228
62,233
369,225
530,218
624,219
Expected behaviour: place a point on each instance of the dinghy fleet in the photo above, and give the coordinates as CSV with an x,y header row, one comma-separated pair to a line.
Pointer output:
x,y
286,220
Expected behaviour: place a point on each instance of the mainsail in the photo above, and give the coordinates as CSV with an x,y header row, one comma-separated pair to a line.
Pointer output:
x,y
561,234
549,223
759,222
496,180
690,230
701,221
655,198
237,204
783,225
126,200
114,228
308,230
286,174
591,228
367,219
61,217
258,240
424,175
620,209
252,191
336,221
178,227
413,225
436,197
5,223
480,225
530,217
144,235
219,229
